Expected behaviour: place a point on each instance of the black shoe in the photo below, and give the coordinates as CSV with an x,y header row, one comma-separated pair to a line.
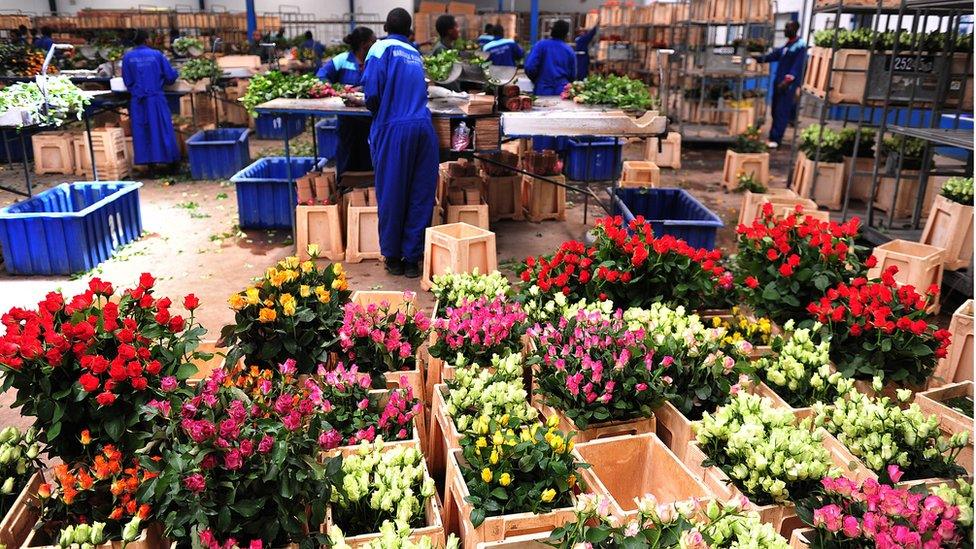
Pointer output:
x,y
411,269
394,267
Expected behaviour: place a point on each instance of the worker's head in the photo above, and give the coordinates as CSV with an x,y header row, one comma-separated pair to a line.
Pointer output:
x,y
47,31
489,29
308,35
359,40
447,27
398,21
791,30
139,38
497,31
256,35
560,30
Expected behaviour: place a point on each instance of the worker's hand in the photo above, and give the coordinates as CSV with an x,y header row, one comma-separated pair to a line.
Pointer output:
x,y
782,85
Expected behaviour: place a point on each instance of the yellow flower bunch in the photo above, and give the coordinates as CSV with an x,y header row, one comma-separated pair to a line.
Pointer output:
x,y
741,327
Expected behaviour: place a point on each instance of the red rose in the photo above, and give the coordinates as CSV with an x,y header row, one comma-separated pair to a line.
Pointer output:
x,y
176,324
105,398
871,261
154,367
139,383
117,371
162,316
786,269
772,254
146,281
751,282
190,302
133,369
89,382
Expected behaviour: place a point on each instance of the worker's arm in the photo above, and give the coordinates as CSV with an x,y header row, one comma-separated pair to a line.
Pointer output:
x,y
517,51
583,42
374,79
327,72
774,55
128,73
796,71
533,63
169,74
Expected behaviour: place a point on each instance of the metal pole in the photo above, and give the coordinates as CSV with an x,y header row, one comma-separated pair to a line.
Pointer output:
x,y
91,148
252,18
534,22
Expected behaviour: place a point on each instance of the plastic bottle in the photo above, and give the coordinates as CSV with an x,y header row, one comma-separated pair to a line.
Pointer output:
x,y
461,140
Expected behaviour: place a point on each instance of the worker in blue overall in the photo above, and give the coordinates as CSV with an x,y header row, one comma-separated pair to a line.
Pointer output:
x,y
502,51
403,144
315,49
583,39
44,41
486,36
792,59
550,65
145,71
346,68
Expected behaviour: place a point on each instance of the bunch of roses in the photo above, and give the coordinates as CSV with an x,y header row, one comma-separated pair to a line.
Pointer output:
x,y
567,271
741,327
294,311
770,457
785,263
960,496
453,289
478,329
882,329
594,369
93,362
18,463
477,394
690,524
355,415
380,338
633,268
877,515
526,470
540,308
381,486
392,536
881,432
243,469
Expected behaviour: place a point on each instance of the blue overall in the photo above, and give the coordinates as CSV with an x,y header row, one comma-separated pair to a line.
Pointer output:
x,y
316,48
583,53
551,65
352,153
403,144
484,39
792,58
503,52
144,72
43,43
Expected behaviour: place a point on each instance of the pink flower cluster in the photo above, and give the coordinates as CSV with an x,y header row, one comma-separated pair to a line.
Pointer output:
x,y
891,517
399,411
209,541
376,335
478,328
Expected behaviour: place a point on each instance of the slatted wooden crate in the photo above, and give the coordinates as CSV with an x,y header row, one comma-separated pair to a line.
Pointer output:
x,y
829,180
958,365
320,225
949,226
362,225
756,164
596,430
111,154
543,200
457,248
504,197
919,265
951,420
53,153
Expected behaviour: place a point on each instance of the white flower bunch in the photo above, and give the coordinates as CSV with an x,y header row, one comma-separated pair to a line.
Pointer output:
x,y
763,449
452,289
541,307
393,535
605,308
801,373
740,529
664,323
881,432
479,394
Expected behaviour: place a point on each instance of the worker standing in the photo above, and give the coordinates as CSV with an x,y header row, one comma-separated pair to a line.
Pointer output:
x,y
791,58
503,51
145,71
403,144
347,68
583,39
447,31
314,47
486,36
550,65
44,41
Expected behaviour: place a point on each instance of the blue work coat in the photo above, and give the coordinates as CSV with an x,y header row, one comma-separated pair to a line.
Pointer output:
x,y
551,65
792,58
43,43
352,153
341,69
145,71
503,52
484,39
583,53
403,145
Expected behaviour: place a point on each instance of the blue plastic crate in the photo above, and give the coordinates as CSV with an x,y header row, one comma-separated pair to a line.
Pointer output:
x,y
269,126
327,137
265,200
604,157
669,211
70,228
218,154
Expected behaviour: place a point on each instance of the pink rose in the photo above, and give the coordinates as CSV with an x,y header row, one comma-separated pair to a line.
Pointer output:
x,y
168,384
233,460
196,484
266,444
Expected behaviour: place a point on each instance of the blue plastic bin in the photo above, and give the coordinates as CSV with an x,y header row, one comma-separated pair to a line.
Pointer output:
x,y
218,154
605,159
265,200
269,126
327,137
669,211
70,228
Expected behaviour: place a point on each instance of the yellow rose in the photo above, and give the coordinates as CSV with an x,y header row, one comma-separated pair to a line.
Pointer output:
x,y
337,268
324,295
288,310
498,439
267,315
285,299
494,457
291,261
339,284
278,278
505,479
548,495
486,474
237,302
571,480
269,302
552,421
304,290
504,419
253,296
481,442
307,266
313,250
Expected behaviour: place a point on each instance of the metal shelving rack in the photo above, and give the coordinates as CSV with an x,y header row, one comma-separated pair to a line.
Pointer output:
x,y
709,63
640,41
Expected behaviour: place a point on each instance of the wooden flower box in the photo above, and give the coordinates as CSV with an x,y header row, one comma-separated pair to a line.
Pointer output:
x,y
829,181
848,76
665,153
740,120
504,196
53,153
393,299
760,388
958,364
949,226
674,429
413,442
641,170
595,430
625,468
472,214
496,528
457,248
150,538
111,157
801,538
752,203
543,200
908,189
861,184
918,264
527,541
952,421
321,225
749,163
362,225
22,515
443,435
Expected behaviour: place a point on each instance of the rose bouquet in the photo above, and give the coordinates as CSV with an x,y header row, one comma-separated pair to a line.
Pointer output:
x,y
785,263
18,462
540,307
478,329
881,329
294,311
960,496
684,525
741,327
848,515
801,373
379,339
379,487
566,272
769,457
530,470
92,362
392,536
880,432
240,469
477,394
452,289
595,370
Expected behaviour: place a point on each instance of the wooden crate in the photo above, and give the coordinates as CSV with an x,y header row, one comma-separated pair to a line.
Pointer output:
x,y
527,541
53,153
641,171
740,120
457,248
443,436
321,225
150,538
434,528
674,429
800,539
749,163
958,364
476,214
111,156
918,264
201,110
850,72
23,513
362,225
391,299
504,197
950,226
487,133
814,77
442,127
861,183
908,191
752,203
595,430
544,200
666,153
829,180
951,421
625,468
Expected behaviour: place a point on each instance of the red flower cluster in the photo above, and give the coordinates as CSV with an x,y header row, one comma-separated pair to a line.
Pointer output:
x,y
567,271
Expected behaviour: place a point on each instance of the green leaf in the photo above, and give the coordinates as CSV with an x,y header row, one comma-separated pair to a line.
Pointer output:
x,y
477,516
186,370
